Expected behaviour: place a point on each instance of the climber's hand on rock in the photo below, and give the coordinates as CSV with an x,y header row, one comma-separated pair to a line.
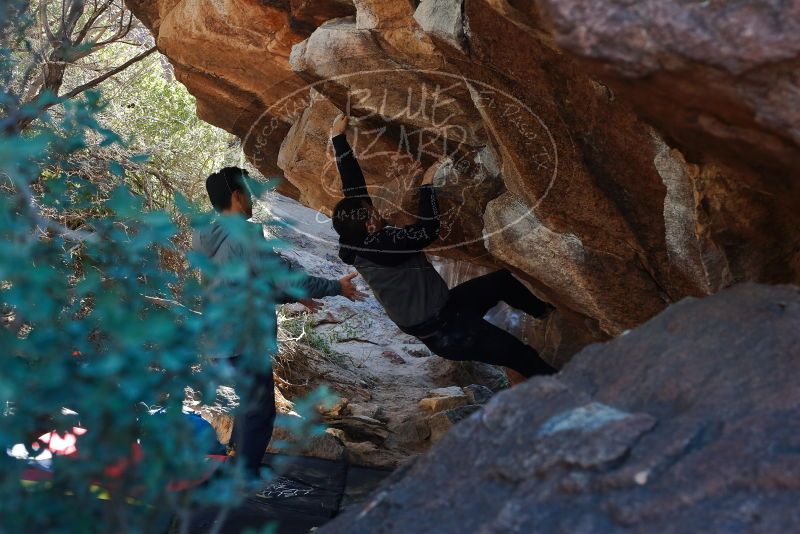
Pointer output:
x,y
340,124
431,172
312,305
349,289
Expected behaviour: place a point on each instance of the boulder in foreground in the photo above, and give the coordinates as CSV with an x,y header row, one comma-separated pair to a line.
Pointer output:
x,y
690,423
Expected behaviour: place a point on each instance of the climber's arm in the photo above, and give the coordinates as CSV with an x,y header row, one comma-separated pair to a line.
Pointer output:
x,y
414,237
428,221
426,230
353,182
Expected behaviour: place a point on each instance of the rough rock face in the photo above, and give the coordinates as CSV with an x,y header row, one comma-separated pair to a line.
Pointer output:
x,y
615,179
721,73
695,427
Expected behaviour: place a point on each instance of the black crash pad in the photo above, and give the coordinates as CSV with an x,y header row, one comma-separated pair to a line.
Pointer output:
x,y
305,493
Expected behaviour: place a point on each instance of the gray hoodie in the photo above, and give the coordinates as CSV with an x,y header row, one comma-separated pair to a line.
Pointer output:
x,y
215,242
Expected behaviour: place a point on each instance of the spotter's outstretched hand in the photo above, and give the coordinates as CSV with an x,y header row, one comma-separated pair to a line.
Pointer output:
x,y
349,289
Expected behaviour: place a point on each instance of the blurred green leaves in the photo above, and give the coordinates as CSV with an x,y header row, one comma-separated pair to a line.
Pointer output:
x,y
95,331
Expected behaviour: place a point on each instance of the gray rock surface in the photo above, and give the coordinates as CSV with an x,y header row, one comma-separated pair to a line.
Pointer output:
x,y
440,423
477,394
689,423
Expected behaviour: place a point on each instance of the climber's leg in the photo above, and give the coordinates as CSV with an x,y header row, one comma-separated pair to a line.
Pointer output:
x,y
481,294
466,338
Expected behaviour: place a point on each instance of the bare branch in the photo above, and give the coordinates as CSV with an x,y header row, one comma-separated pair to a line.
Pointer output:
x,y
74,14
124,29
161,301
96,14
161,177
100,79
26,195
46,23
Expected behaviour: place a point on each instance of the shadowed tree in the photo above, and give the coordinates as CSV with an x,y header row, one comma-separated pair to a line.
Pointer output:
x,y
60,34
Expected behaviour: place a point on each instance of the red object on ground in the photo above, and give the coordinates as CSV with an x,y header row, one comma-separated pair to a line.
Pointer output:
x,y
67,445
63,446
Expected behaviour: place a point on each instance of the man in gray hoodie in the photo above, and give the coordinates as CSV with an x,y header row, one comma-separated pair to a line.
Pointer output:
x,y
229,249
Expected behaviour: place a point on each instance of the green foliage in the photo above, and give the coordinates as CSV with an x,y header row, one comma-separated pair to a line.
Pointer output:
x,y
302,330
92,338
166,148
169,148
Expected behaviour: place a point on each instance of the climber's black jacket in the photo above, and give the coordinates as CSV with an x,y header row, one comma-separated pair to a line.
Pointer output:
x,y
391,260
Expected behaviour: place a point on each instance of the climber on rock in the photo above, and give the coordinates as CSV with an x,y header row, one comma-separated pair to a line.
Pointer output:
x,y
229,194
448,321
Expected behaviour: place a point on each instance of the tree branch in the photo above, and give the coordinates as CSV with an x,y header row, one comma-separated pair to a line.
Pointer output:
x,y
100,79
45,23
75,13
96,13
162,301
